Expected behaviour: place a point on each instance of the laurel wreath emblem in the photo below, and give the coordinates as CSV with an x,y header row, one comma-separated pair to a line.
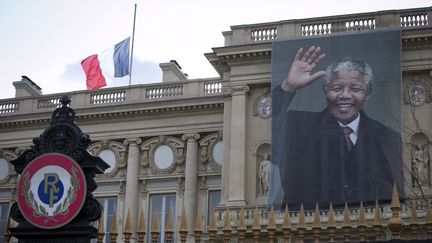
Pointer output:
x,y
62,208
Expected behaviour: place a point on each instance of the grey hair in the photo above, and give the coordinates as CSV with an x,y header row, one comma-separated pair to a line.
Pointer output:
x,y
350,64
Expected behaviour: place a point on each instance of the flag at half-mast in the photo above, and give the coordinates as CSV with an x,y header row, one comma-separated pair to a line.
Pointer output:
x,y
111,63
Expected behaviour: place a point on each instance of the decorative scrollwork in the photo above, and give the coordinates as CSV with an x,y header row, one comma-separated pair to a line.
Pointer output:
x,y
8,156
119,150
207,146
148,150
417,93
29,198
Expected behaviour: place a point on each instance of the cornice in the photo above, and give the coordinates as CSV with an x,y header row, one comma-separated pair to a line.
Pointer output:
x,y
223,58
144,114
417,43
223,63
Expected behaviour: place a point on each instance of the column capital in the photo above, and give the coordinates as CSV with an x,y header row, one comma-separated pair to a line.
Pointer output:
x,y
130,141
190,136
240,89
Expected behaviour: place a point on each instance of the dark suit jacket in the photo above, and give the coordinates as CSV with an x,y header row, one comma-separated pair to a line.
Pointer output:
x,y
315,165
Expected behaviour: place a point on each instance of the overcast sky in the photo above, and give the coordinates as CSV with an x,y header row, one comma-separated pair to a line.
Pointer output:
x,y
47,39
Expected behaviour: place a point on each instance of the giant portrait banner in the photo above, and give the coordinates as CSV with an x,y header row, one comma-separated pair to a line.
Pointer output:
x,y
336,123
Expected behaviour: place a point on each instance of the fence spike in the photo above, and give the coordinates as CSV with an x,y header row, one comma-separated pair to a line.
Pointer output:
x,y
141,232
378,224
331,217
101,228
317,217
301,224
169,226
395,225
227,226
331,224
183,226
287,218
213,226
395,203
346,216
114,230
346,225
227,220
362,226
301,220
362,215
198,229
271,227
241,229
286,226
316,227
272,220
256,226
127,232
242,222
155,227
414,224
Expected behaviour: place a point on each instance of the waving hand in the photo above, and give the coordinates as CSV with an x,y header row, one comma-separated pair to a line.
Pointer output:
x,y
300,73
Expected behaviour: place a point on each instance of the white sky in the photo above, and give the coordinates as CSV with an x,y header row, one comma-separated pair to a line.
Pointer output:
x,y
47,39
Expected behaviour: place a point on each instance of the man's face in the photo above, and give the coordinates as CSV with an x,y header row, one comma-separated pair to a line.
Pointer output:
x,y
345,95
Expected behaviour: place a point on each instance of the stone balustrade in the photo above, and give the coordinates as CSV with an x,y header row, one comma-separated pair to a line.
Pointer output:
x,y
164,91
108,97
213,87
9,107
266,32
113,96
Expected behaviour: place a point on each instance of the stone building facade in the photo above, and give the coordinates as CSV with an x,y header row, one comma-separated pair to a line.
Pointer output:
x,y
204,143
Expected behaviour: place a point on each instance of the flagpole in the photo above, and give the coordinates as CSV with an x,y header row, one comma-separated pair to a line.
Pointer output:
x,y
133,40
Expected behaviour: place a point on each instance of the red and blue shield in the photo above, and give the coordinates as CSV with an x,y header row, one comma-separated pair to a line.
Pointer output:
x,y
51,191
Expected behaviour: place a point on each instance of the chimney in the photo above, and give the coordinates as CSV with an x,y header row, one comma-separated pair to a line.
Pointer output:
x,y
171,72
26,87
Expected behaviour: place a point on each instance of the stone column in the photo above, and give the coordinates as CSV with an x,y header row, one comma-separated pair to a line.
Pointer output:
x,y
131,197
191,178
237,150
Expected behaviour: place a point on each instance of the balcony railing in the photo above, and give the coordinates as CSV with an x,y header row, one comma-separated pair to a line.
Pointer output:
x,y
8,107
404,19
113,96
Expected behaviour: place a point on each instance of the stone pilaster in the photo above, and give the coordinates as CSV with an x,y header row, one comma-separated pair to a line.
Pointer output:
x,y
131,197
237,150
191,178
226,146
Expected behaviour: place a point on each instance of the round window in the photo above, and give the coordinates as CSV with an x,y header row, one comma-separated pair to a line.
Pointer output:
x,y
164,157
109,157
4,168
218,152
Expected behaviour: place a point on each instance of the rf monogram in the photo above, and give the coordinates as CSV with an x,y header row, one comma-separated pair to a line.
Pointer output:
x,y
50,180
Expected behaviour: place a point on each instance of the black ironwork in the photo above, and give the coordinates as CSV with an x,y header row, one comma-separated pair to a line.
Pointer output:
x,y
65,137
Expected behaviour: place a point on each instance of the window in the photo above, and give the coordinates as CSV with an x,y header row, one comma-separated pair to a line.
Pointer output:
x,y
218,153
164,157
4,168
163,203
214,198
109,205
109,157
4,211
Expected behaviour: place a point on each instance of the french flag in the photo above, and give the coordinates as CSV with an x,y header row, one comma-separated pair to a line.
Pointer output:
x,y
112,63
